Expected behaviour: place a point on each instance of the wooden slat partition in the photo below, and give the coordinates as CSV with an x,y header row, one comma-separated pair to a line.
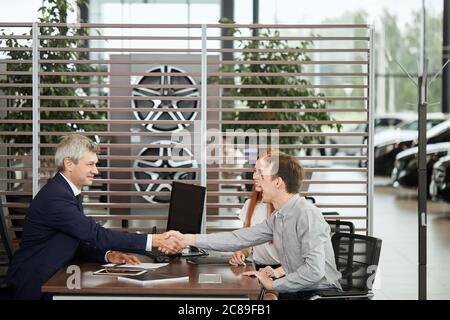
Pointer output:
x,y
109,89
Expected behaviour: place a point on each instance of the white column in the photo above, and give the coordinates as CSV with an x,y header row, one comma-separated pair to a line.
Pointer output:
x,y
35,113
370,164
203,126
381,81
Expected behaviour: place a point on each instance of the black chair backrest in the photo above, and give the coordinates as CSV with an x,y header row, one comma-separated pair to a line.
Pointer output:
x,y
312,199
357,259
341,226
9,235
4,234
22,199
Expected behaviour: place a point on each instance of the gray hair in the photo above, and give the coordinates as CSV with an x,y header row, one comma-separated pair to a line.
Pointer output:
x,y
73,146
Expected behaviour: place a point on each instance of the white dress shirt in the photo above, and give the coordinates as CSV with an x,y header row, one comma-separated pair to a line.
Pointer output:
x,y
265,253
77,191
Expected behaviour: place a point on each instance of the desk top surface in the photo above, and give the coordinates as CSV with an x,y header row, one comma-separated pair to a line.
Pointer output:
x,y
233,283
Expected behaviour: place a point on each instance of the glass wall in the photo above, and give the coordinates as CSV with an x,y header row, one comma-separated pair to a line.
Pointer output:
x,y
397,41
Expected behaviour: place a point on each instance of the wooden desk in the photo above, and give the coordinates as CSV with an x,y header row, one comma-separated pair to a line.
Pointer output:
x,y
234,285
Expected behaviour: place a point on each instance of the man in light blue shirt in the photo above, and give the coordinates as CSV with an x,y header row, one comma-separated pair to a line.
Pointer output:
x,y
300,234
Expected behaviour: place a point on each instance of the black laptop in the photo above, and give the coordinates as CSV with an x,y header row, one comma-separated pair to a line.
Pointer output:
x,y
185,215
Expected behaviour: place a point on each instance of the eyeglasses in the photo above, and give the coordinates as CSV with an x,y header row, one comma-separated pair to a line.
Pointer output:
x,y
257,174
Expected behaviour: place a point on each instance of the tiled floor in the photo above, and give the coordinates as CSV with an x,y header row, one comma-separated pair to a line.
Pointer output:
x,y
395,222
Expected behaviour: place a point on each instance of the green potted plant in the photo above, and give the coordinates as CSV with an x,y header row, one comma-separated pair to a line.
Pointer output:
x,y
281,55
54,11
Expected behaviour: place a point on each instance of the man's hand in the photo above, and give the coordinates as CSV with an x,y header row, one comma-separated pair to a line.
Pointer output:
x,y
174,233
167,243
186,239
238,258
120,257
265,280
273,273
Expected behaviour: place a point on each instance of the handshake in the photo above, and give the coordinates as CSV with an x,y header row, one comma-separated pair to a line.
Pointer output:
x,y
172,241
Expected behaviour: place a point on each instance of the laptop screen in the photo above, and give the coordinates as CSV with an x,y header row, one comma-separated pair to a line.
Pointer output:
x,y
186,208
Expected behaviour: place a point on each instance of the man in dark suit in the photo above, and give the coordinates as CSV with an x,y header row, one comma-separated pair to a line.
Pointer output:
x,y
56,231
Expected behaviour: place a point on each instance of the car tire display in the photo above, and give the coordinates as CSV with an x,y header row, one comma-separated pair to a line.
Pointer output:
x,y
170,160
148,110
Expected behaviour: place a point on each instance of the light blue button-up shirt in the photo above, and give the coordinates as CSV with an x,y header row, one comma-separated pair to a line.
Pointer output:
x,y
301,237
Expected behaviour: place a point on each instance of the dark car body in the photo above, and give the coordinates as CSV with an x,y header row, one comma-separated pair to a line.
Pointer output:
x,y
440,179
405,172
387,148
384,154
381,123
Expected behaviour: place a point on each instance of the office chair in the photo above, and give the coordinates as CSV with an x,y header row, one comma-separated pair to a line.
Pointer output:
x,y
6,240
325,213
336,226
357,258
312,199
4,262
6,292
341,226
7,226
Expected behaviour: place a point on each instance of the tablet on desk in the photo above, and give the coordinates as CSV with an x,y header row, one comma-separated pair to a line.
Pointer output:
x,y
119,272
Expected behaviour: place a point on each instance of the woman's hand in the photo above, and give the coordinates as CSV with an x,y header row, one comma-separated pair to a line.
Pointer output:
x,y
273,273
265,280
238,258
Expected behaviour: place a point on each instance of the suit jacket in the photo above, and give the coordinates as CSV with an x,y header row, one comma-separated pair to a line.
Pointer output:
x,y
55,232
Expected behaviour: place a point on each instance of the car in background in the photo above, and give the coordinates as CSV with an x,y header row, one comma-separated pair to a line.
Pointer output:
x,y
390,143
405,171
409,128
355,137
391,121
440,179
381,123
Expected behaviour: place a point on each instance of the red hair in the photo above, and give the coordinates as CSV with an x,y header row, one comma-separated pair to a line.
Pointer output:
x,y
254,199
257,196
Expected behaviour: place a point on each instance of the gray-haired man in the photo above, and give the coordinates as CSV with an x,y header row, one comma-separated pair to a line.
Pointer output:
x,y
56,229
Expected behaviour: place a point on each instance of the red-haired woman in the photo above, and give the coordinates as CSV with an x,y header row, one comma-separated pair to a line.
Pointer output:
x,y
264,255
